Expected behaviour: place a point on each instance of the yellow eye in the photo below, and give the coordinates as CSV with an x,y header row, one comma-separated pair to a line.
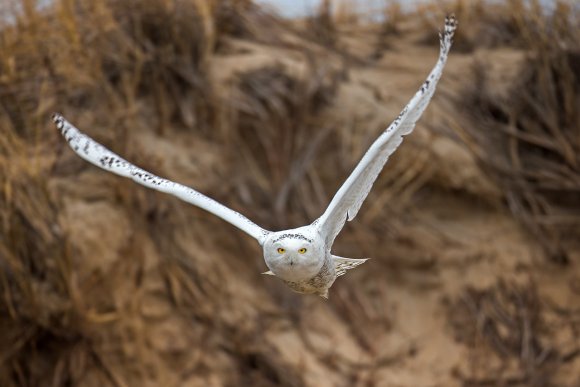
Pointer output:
x,y
281,250
302,250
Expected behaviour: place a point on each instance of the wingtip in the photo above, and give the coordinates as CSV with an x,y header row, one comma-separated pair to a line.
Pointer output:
x,y
58,119
450,23
446,37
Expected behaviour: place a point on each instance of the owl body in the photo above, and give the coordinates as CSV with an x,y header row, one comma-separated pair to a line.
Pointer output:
x,y
320,283
301,258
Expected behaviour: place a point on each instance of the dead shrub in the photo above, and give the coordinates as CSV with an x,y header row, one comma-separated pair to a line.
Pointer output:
x,y
321,26
514,23
39,305
529,141
507,321
278,134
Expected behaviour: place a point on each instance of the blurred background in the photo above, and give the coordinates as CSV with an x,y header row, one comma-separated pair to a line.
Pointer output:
x,y
473,227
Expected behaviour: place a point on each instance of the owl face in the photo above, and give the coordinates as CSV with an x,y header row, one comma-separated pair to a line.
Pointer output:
x,y
293,256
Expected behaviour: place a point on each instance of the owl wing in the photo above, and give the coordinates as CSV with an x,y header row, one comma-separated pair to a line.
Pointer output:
x,y
349,198
100,156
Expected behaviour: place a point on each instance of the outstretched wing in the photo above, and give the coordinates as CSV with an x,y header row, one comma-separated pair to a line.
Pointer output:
x,y
97,154
349,198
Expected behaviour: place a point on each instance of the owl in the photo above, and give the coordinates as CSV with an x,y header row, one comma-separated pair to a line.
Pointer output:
x,y
301,257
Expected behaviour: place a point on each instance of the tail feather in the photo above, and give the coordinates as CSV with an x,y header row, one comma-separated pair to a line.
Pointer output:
x,y
342,264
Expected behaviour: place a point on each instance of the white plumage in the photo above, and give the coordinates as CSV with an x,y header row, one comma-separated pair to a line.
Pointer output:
x,y
301,257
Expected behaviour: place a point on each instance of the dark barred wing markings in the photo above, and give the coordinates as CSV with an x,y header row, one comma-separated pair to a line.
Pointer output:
x,y
97,154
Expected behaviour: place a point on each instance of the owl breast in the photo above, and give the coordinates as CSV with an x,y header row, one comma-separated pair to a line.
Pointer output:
x,y
318,284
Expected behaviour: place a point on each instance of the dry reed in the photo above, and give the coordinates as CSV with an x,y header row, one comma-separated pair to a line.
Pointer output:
x,y
508,320
132,68
108,62
529,138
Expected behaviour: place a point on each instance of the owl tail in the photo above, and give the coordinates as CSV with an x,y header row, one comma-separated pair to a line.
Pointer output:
x,y
341,264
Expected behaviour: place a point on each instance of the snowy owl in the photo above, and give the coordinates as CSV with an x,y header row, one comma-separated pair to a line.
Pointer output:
x,y
300,257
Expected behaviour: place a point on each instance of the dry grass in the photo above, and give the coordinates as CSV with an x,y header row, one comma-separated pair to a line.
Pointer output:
x,y
72,315
108,62
280,131
513,23
138,65
390,26
40,303
529,138
507,321
392,15
321,26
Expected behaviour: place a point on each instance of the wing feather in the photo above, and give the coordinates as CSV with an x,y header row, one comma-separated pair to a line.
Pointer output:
x,y
100,156
349,198
341,264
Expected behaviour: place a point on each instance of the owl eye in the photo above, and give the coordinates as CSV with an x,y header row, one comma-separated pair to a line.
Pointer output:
x,y
281,250
302,250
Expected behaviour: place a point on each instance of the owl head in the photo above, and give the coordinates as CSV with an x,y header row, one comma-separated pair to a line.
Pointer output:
x,y
293,256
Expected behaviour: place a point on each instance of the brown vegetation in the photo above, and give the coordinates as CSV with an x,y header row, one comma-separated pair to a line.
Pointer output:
x,y
528,137
106,283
